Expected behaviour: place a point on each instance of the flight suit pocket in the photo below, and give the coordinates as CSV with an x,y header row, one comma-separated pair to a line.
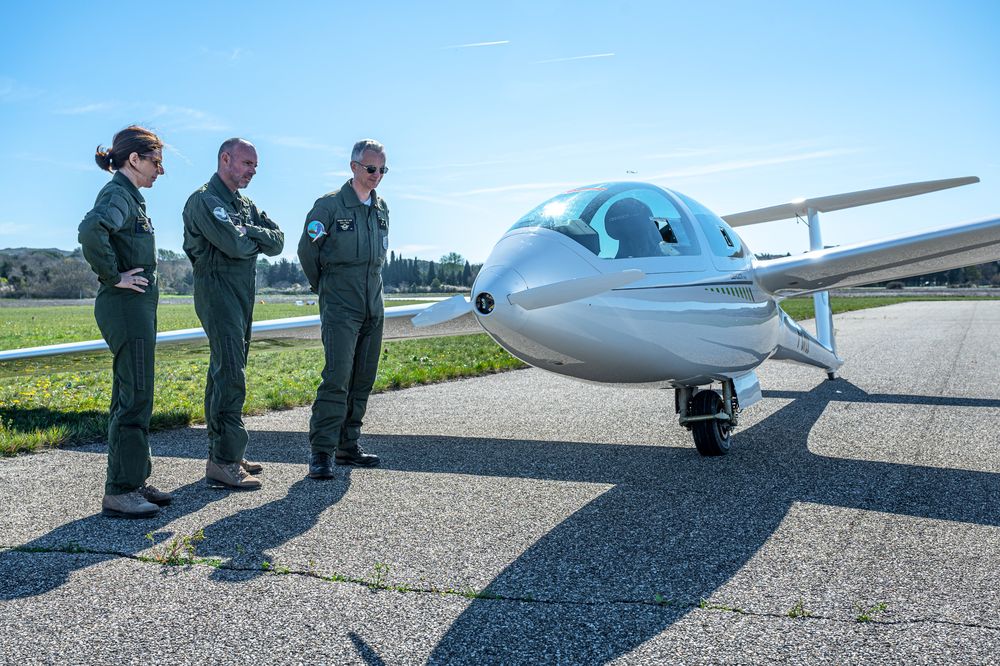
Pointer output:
x,y
383,234
139,361
143,242
383,244
342,245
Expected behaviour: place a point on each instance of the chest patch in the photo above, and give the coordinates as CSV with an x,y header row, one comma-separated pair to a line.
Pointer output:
x,y
143,226
220,214
385,242
345,223
382,223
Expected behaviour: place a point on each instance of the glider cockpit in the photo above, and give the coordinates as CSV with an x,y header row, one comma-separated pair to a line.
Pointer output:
x,y
636,221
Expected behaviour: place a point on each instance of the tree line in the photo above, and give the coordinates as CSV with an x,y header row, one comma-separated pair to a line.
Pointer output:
x,y
53,273
980,275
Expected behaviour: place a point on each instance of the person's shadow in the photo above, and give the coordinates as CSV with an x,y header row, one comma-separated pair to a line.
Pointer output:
x,y
93,539
240,541
271,525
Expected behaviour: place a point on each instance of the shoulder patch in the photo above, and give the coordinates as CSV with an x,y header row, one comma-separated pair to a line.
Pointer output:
x,y
220,214
316,230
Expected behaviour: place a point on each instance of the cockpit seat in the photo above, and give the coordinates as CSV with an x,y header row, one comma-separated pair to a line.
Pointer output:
x,y
630,222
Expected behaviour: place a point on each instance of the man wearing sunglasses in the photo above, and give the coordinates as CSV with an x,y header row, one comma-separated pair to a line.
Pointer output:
x,y
224,231
342,249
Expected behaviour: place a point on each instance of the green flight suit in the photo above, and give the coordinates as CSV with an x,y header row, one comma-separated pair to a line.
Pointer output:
x,y
225,274
342,250
117,236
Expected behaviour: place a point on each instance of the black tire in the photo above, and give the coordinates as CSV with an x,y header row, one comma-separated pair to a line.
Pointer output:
x,y
711,438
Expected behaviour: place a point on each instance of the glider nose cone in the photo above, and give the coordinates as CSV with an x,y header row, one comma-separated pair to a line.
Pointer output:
x,y
489,298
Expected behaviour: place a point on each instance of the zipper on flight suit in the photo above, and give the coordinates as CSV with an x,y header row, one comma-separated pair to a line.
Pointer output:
x,y
367,268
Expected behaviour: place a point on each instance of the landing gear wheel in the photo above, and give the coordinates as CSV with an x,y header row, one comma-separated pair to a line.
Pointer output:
x,y
711,438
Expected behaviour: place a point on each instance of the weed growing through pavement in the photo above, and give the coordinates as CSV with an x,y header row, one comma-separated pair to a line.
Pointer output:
x,y
69,547
705,604
179,551
799,610
470,592
870,613
381,573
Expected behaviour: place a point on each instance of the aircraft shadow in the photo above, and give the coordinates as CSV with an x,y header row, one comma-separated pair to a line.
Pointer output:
x,y
676,528
672,527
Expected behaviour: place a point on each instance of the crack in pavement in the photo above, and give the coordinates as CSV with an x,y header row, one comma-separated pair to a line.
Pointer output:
x,y
273,569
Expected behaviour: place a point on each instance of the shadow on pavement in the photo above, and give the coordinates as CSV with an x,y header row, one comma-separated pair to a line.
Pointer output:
x,y
673,527
676,528
273,524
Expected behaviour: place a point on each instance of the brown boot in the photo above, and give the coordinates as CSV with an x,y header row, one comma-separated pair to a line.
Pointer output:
x,y
154,495
251,467
229,475
128,505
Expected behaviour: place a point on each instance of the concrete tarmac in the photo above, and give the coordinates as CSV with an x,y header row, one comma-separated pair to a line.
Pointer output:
x,y
524,518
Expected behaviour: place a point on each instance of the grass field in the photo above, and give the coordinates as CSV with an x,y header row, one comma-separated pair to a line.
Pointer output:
x,y
802,307
54,402
36,326
43,409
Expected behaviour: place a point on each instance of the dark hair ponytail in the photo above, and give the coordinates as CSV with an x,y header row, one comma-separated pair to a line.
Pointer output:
x,y
103,158
132,139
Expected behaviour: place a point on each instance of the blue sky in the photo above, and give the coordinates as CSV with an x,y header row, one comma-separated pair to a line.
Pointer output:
x,y
488,109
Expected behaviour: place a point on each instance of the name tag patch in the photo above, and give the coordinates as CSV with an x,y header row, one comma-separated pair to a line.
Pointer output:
x,y
144,226
345,224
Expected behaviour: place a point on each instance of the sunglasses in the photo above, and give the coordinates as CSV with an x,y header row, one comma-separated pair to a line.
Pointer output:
x,y
371,168
156,162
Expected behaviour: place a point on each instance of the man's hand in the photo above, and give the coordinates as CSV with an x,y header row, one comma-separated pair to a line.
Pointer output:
x,y
129,280
242,229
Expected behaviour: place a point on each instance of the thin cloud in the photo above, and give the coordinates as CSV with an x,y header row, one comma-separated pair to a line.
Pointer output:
x,y
185,118
476,45
736,165
15,228
86,108
305,143
690,152
12,91
414,249
61,164
338,174
173,150
519,187
232,55
454,165
438,201
583,57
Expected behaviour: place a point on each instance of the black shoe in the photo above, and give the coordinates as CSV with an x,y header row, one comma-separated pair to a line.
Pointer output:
x,y
320,466
356,456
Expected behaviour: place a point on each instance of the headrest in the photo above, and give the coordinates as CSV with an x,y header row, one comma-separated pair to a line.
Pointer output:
x,y
626,214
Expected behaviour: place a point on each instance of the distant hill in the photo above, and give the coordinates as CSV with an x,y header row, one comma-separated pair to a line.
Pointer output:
x,y
27,251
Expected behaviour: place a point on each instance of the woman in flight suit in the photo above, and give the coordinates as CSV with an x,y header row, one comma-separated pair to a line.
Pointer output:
x,y
117,240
